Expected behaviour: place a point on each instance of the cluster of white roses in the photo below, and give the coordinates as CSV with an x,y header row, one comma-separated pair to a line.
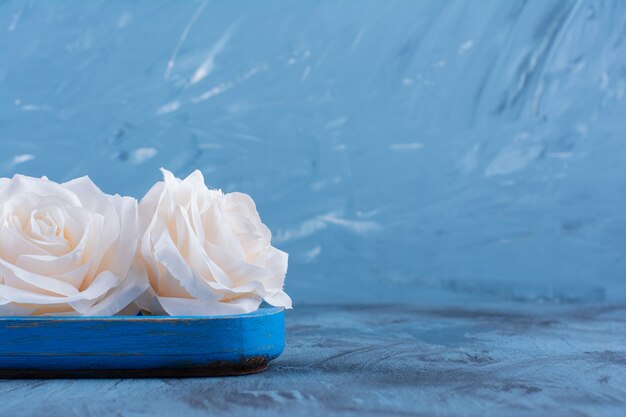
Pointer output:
x,y
185,249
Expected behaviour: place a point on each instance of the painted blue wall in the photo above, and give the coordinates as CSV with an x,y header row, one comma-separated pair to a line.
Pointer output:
x,y
419,151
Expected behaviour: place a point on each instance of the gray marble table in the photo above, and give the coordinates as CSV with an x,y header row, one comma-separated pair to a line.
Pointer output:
x,y
500,360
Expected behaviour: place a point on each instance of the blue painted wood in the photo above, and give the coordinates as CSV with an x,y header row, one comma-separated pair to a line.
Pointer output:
x,y
140,346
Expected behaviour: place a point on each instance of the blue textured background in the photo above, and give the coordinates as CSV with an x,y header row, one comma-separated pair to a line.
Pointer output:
x,y
400,151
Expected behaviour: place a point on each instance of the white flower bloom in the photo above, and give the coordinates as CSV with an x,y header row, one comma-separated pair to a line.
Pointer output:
x,y
206,252
66,249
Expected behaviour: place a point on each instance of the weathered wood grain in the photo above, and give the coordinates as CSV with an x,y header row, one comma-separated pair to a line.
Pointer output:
x,y
143,346
505,360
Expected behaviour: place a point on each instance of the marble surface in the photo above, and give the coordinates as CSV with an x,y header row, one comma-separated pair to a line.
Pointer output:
x,y
416,152
490,360
400,151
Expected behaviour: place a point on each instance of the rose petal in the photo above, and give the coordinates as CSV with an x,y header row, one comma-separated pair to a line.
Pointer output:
x,y
10,309
94,201
123,295
279,299
101,284
57,266
21,185
166,253
186,307
20,278
240,271
119,257
13,243
148,206
67,268
207,252
195,255
66,248
219,233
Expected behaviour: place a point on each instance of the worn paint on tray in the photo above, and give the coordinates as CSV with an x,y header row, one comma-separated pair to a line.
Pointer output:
x,y
140,346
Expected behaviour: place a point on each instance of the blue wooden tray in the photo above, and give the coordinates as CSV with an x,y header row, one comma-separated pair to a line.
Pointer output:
x,y
141,346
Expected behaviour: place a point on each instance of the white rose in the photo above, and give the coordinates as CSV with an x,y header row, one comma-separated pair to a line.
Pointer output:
x,y
207,253
66,249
